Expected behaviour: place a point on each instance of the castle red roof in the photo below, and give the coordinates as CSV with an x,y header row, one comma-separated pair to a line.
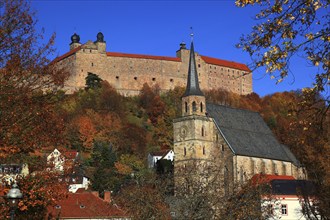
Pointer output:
x,y
84,206
71,52
209,60
226,63
116,54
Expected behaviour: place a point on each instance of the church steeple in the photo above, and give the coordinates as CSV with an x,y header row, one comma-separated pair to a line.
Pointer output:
x,y
192,81
193,100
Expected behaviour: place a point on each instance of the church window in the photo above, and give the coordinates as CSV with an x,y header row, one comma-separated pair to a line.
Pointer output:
x,y
184,151
186,107
263,166
135,78
252,166
194,108
204,150
284,169
201,106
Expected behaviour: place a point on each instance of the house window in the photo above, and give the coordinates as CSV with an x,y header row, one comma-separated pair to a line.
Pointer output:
x,y
204,150
184,151
270,210
284,209
194,108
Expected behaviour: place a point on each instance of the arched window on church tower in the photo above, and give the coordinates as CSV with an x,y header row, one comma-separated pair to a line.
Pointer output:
x,y
201,106
194,108
184,151
186,107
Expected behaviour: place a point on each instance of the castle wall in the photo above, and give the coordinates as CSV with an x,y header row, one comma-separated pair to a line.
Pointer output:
x,y
128,72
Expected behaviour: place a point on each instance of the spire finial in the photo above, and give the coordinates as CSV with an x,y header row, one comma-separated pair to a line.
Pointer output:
x,y
191,34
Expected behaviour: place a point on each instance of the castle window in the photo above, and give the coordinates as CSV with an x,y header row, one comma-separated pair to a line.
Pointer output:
x,y
186,107
82,70
201,106
153,79
217,137
194,108
90,51
204,150
135,78
184,151
199,65
222,148
171,80
92,64
117,77
203,132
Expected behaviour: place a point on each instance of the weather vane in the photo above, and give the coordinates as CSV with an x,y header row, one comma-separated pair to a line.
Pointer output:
x,y
191,34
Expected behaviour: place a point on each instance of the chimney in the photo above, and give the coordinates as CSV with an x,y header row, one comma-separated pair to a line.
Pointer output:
x,y
95,193
107,196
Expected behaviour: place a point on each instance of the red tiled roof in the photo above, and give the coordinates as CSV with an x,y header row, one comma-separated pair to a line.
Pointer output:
x,y
116,54
84,205
267,178
70,154
71,52
226,63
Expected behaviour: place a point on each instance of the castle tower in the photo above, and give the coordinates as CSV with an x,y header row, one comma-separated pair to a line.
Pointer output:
x,y
75,41
100,43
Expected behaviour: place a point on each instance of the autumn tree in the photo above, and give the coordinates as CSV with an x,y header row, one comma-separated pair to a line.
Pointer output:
x,y
28,83
289,28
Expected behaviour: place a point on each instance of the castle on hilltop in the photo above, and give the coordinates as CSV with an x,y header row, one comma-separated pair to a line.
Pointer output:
x,y
128,72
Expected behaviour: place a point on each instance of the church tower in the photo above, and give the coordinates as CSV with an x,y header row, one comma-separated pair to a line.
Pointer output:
x,y
194,130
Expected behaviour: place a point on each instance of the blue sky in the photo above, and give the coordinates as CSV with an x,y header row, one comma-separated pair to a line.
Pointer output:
x,y
158,27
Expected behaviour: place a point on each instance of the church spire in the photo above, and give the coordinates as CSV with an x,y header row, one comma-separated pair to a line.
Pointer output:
x,y
192,82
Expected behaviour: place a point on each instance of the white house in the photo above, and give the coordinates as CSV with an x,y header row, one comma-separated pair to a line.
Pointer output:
x,y
287,198
153,157
56,159
10,172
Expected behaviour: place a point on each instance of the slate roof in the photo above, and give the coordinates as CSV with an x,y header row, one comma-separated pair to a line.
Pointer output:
x,y
247,134
192,81
293,187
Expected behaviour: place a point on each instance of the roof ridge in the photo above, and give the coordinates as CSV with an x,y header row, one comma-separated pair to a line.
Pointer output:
x,y
231,107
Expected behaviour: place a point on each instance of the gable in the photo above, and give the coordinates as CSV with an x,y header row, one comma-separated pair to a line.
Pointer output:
x,y
246,133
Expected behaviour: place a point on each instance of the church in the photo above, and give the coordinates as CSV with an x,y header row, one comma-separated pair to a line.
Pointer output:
x,y
238,142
